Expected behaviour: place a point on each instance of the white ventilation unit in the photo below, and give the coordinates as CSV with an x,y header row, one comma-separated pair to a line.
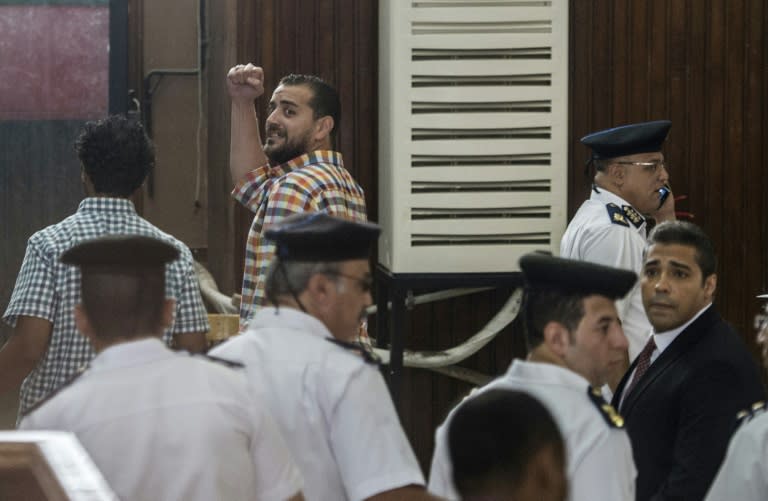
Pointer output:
x,y
472,132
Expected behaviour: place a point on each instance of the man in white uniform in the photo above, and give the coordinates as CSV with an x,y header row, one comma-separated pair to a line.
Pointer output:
x,y
330,402
575,340
160,425
743,474
610,228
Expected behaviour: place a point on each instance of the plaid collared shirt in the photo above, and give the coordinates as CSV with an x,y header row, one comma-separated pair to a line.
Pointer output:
x,y
46,288
315,181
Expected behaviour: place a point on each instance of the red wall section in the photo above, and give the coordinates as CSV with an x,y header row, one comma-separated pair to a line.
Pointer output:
x,y
54,62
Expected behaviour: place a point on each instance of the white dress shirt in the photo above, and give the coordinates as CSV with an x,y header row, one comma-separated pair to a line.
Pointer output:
x,y
593,236
168,426
332,407
599,457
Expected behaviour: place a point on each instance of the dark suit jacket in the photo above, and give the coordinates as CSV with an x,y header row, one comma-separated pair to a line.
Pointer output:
x,y
681,413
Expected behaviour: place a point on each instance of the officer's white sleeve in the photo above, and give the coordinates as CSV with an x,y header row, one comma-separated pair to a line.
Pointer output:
x,y
441,470
614,246
607,471
742,475
369,444
618,247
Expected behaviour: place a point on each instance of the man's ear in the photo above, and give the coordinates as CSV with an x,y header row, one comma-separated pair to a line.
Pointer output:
x,y
83,323
556,337
323,127
321,289
616,173
710,285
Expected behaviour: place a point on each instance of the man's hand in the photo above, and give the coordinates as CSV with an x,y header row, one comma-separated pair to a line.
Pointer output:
x,y
667,210
245,82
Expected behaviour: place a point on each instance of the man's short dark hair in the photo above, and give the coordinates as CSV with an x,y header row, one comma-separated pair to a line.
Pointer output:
x,y
688,234
116,154
542,306
494,436
325,99
601,164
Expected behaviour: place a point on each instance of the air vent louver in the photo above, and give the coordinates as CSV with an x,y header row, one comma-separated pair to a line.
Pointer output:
x,y
473,124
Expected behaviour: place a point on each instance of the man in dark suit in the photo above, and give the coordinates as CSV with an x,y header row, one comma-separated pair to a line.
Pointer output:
x,y
681,395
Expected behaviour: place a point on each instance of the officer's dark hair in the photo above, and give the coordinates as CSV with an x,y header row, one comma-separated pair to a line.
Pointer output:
x,y
601,164
542,306
494,436
124,305
116,155
325,99
285,278
688,234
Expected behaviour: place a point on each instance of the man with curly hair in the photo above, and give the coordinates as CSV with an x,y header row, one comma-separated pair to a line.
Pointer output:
x,y
45,350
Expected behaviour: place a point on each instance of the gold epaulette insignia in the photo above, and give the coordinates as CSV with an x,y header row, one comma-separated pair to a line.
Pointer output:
x,y
755,409
634,217
611,415
616,215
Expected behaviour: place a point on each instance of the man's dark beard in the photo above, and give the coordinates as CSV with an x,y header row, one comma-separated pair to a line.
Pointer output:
x,y
285,153
290,149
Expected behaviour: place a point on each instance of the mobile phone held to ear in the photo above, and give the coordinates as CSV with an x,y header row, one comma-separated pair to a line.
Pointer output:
x,y
664,192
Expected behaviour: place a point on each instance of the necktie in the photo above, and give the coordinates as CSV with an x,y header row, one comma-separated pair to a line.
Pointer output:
x,y
643,362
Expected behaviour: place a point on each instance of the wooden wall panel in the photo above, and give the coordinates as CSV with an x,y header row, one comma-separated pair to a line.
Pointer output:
x,y
702,65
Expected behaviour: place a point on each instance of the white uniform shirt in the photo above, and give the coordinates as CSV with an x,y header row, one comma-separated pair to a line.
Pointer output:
x,y
167,426
603,234
742,475
333,408
599,457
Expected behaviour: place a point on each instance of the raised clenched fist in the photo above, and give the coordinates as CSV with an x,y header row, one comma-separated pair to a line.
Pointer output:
x,y
245,81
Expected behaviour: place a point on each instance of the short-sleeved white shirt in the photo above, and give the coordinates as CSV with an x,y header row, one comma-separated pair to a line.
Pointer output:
x,y
167,426
333,408
598,235
743,475
599,457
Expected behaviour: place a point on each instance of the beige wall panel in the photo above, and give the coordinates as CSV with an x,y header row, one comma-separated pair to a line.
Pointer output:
x,y
178,199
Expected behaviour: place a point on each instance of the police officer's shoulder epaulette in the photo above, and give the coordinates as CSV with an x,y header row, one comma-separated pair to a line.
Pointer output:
x,y
616,214
55,392
611,415
754,410
229,363
632,215
369,356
